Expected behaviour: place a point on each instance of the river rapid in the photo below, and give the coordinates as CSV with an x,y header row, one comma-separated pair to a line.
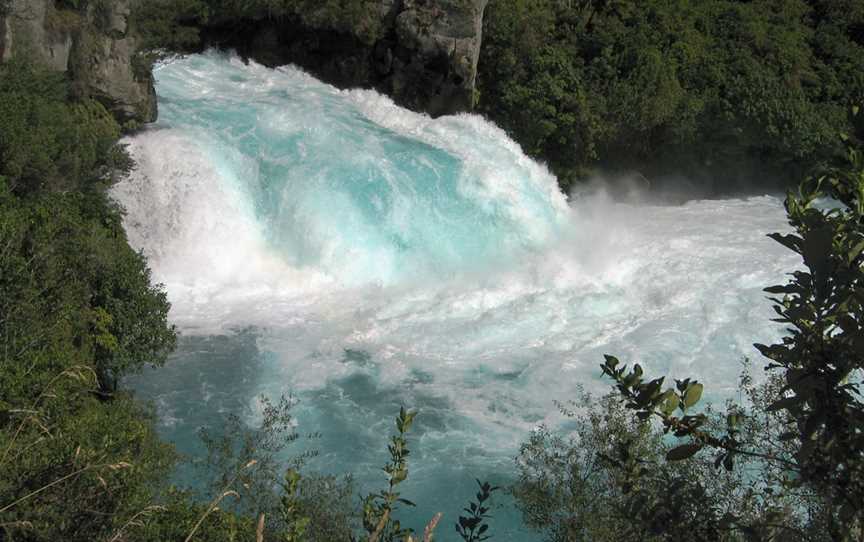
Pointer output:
x,y
331,245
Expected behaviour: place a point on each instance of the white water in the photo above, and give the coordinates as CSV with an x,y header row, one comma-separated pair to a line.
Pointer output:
x,y
330,244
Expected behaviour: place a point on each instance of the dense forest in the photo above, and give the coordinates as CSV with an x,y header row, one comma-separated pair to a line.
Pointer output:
x,y
755,90
767,89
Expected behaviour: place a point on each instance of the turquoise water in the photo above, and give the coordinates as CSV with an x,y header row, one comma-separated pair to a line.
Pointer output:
x,y
329,244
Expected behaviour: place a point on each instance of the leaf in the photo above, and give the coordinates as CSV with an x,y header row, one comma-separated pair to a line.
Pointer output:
x,y
670,403
782,404
682,452
780,289
732,420
399,476
855,252
692,395
792,242
816,250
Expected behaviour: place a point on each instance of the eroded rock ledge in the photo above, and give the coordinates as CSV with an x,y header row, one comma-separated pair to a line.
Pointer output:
x,y
422,53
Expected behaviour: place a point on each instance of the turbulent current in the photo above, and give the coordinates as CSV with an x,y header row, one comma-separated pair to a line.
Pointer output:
x,y
332,245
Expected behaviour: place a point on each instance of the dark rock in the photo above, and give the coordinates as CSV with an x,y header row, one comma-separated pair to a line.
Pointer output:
x,y
424,54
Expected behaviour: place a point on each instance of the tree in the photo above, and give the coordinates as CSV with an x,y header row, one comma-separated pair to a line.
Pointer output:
x,y
819,362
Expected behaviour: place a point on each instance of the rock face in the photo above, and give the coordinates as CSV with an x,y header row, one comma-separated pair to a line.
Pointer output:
x,y
94,48
442,40
423,53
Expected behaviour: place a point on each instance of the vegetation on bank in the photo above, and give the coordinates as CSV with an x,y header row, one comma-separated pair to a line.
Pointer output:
x,y
77,312
714,90
79,456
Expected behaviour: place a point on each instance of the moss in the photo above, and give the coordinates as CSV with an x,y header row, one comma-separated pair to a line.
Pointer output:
x,y
62,21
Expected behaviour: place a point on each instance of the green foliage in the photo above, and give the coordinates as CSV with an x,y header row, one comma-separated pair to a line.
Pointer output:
x,y
378,508
817,410
820,357
247,460
77,311
472,527
609,481
170,25
46,141
179,511
296,523
683,87
329,503
360,18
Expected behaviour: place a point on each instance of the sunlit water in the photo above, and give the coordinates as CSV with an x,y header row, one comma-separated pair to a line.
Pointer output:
x,y
329,244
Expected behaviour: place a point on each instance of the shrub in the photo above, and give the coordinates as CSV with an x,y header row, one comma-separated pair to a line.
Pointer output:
x,y
818,404
715,88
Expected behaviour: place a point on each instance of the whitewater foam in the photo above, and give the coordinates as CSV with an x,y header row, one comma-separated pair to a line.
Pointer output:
x,y
363,256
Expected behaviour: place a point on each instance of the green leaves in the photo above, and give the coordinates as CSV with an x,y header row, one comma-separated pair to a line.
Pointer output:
x,y
404,421
379,507
670,402
295,521
673,87
692,394
472,527
682,452
816,412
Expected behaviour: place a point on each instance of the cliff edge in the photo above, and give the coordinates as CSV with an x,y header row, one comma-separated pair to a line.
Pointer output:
x,y
421,53
93,46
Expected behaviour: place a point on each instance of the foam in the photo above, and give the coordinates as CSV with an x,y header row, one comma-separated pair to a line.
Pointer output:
x,y
383,257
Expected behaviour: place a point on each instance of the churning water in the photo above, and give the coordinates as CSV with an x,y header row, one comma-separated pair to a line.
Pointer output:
x,y
329,244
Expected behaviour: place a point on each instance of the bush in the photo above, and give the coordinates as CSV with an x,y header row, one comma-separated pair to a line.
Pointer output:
x,y
77,311
738,89
607,480
816,405
47,141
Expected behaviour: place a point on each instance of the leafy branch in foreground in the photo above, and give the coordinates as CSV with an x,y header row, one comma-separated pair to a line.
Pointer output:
x,y
820,360
378,508
471,527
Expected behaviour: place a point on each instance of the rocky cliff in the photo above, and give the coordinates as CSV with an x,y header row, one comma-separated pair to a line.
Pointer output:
x,y
92,46
422,53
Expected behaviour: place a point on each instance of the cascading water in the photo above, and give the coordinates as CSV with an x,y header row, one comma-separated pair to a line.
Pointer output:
x,y
329,244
